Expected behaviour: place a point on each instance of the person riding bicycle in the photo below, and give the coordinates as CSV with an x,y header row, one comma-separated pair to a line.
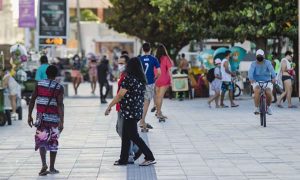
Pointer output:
x,y
262,71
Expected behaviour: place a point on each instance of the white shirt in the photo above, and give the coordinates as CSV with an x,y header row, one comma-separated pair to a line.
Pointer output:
x,y
288,63
225,76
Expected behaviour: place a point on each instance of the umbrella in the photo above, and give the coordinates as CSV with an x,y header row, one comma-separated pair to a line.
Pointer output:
x,y
239,52
206,58
220,53
18,48
237,55
91,56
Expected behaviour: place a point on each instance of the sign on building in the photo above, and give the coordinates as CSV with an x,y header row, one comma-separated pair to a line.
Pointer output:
x,y
53,22
26,14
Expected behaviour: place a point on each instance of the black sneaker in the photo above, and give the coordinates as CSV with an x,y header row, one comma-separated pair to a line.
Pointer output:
x,y
103,101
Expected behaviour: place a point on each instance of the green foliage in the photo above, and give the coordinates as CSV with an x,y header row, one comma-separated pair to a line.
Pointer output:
x,y
176,22
234,20
85,15
88,15
142,19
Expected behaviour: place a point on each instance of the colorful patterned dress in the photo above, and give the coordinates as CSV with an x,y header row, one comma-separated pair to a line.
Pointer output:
x,y
47,132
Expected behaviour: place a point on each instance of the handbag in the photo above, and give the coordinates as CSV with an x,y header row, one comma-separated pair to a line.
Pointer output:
x,y
40,119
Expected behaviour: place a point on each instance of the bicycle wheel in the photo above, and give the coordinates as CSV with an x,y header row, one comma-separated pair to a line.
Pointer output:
x,y
263,112
237,91
265,120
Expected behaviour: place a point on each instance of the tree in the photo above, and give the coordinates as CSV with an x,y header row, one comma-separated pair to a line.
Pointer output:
x,y
141,19
85,15
237,20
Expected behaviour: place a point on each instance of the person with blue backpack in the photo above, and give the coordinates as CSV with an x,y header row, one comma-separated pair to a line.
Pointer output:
x,y
214,76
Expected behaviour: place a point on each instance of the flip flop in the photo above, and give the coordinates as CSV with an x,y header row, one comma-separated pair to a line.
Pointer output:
x,y
279,105
293,106
148,163
236,105
147,126
224,106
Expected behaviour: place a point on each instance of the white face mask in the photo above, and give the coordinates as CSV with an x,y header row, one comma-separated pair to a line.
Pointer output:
x,y
121,67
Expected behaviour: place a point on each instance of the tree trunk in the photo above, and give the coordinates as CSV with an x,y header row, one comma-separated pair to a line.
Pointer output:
x,y
261,43
279,46
274,46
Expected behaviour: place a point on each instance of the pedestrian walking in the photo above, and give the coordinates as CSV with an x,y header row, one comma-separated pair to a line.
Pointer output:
x,y
103,70
131,98
276,66
48,96
164,80
227,84
92,65
76,74
41,71
216,83
183,69
286,76
133,150
13,88
149,62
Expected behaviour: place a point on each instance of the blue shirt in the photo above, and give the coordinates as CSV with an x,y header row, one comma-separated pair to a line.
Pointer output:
x,y
149,62
261,72
41,72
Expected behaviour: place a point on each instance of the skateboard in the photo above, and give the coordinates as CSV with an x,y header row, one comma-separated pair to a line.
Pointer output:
x,y
161,119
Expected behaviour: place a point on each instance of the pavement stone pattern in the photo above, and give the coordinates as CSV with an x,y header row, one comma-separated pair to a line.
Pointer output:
x,y
195,143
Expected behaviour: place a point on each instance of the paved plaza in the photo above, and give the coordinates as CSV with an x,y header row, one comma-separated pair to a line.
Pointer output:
x,y
195,143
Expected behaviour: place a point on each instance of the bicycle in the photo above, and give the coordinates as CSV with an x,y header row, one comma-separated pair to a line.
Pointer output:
x,y
263,102
237,89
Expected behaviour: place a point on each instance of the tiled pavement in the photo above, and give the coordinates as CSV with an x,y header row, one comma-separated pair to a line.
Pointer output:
x,y
196,143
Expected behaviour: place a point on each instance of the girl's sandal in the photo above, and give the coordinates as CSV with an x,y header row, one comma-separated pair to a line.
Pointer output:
x,y
54,171
44,171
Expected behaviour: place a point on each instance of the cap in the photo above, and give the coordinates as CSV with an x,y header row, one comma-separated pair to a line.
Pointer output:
x,y
260,52
218,61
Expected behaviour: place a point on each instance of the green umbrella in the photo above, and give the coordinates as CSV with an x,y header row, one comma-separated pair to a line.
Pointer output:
x,y
237,55
220,53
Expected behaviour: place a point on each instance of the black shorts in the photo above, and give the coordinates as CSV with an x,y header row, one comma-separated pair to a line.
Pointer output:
x,y
284,78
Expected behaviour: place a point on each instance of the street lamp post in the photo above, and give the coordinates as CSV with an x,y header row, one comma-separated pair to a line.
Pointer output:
x,y
80,48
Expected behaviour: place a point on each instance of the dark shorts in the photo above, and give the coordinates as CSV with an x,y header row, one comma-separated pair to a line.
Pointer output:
x,y
284,78
227,86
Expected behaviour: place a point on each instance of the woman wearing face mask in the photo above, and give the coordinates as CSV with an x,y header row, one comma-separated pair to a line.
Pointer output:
x,y
131,99
93,73
121,66
133,151
287,72
76,74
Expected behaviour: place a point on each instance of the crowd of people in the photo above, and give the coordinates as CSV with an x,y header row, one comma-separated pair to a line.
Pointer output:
x,y
268,73
141,80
